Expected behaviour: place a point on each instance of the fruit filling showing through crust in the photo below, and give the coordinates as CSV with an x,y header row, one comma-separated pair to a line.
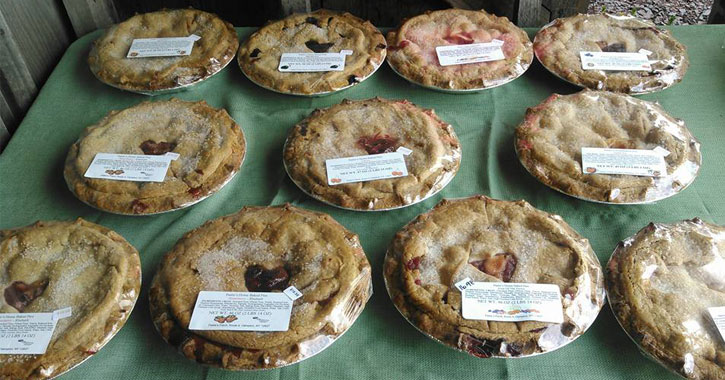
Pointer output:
x,y
151,147
19,294
378,143
259,279
500,265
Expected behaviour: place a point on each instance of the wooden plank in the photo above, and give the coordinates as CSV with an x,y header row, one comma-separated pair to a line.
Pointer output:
x,y
89,15
564,8
16,83
295,6
41,31
717,13
529,13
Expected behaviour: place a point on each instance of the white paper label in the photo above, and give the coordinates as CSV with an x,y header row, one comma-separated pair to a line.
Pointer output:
x,y
404,150
718,316
365,168
312,62
292,293
512,302
640,162
28,333
470,53
131,167
161,47
595,60
241,311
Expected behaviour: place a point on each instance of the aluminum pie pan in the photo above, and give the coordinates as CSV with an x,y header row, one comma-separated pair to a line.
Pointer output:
x,y
497,83
440,186
313,95
504,357
184,205
640,92
648,201
178,88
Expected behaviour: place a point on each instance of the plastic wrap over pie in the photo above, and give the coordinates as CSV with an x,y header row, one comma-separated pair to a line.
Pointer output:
x,y
491,240
210,145
211,53
368,127
412,49
661,283
557,47
50,266
549,144
263,249
321,31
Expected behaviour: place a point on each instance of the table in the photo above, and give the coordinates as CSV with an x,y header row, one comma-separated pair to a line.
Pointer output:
x,y
381,344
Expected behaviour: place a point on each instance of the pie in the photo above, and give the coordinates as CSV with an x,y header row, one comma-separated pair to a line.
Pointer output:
x,y
210,145
367,127
209,55
557,47
263,249
412,49
549,144
50,266
489,240
321,31
661,283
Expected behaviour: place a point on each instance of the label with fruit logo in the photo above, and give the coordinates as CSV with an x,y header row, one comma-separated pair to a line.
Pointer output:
x,y
511,302
365,168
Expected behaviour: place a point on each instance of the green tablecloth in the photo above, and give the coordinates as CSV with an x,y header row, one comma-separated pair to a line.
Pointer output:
x,y
381,344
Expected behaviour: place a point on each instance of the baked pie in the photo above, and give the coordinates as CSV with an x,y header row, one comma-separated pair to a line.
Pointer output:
x,y
50,266
412,49
209,55
367,127
210,145
549,144
660,284
557,47
263,249
321,31
489,240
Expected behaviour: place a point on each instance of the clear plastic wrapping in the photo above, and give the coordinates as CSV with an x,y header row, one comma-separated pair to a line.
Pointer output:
x,y
263,249
50,266
558,45
661,283
549,145
488,240
370,127
321,31
412,50
160,75
211,148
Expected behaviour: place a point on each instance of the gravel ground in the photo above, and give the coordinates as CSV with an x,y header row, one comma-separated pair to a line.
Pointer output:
x,y
672,12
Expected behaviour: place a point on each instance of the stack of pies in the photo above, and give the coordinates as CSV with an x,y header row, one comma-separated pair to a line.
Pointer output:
x,y
366,127
50,266
557,47
321,31
661,283
412,49
209,55
490,240
549,144
210,145
263,249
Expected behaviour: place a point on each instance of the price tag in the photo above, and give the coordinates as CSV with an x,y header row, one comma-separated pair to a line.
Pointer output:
x,y
639,162
243,311
161,47
512,302
313,62
449,55
596,60
365,168
28,333
718,317
130,167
